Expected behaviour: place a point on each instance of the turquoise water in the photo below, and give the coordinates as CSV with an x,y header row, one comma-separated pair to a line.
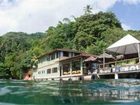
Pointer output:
x,y
100,92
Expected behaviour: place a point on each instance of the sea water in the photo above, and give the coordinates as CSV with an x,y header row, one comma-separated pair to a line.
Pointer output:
x,y
95,92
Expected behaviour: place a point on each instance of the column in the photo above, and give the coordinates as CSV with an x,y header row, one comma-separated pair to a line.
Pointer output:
x,y
81,66
116,76
70,67
61,54
61,69
55,55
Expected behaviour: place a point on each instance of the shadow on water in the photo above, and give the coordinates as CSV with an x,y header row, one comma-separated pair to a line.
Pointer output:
x,y
99,92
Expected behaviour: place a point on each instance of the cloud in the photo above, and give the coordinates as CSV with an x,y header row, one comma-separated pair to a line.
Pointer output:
x,y
37,15
102,5
126,27
131,2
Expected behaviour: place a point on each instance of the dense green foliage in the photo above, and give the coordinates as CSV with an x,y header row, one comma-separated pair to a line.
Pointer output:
x,y
16,52
89,33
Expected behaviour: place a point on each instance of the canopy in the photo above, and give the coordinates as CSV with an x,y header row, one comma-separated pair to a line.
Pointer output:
x,y
126,45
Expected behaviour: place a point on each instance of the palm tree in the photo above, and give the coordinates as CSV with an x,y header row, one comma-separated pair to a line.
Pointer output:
x,y
88,10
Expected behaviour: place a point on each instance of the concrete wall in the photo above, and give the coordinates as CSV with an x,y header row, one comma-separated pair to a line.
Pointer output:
x,y
42,72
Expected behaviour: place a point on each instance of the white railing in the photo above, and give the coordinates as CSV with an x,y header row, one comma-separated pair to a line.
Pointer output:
x,y
118,67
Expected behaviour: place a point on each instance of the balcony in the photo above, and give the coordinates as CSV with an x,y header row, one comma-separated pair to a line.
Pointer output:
x,y
122,66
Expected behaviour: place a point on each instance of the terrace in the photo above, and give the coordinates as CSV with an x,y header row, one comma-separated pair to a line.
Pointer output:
x,y
127,65
129,62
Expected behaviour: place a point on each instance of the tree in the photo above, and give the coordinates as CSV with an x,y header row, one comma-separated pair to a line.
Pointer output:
x,y
82,40
87,10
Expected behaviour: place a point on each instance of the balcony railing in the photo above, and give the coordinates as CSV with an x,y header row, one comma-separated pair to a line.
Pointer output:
x,y
128,65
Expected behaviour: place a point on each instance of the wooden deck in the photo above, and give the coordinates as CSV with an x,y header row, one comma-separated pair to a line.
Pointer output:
x,y
124,71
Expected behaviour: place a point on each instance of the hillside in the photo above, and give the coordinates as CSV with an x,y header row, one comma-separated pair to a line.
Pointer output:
x,y
90,33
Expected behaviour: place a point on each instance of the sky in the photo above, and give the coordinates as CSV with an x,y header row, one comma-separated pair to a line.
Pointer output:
x,y
32,16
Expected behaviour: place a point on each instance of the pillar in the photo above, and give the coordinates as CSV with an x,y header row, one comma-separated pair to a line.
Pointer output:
x,y
61,69
81,66
116,76
70,67
61,54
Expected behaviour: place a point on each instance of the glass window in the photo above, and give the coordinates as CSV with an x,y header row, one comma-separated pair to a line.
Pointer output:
x,y
76,65
48,58
65,54
58,54
43,71
72,54
66,67
39,72
53,56
48,71
54,70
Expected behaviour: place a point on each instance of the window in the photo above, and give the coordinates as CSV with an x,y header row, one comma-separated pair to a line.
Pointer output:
x,y
66,69
66,54
48,58
39,72
54,70
72,54
48,71
57,54
43,72
53,56
76,65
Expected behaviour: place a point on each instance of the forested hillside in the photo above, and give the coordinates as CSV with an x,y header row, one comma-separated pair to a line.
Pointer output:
x,y
89,33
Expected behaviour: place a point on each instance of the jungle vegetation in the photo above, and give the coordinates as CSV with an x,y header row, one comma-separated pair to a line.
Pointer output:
x,y
89,33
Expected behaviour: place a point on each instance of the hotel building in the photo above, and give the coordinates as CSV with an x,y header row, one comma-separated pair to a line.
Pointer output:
x,y
61,64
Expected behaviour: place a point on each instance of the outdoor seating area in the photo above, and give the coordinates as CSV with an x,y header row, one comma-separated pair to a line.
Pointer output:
x,y
129,49
121,57
121,66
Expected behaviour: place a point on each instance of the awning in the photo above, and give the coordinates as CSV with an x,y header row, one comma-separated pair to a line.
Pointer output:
x,y
126,45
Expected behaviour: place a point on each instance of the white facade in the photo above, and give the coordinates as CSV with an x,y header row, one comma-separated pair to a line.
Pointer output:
x,y
49,64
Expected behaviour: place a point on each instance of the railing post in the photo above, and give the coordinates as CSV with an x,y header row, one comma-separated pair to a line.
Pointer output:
x,y
116,76
103,60
70,68
81,66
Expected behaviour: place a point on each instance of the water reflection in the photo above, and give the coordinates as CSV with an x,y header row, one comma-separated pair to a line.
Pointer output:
x,y
101,92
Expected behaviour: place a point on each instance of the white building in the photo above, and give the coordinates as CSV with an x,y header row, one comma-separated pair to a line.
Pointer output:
x,y
60,63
